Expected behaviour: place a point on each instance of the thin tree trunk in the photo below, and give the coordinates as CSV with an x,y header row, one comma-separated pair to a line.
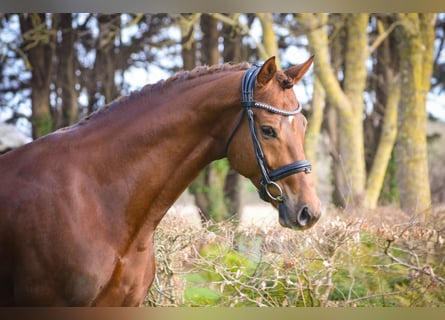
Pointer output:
x,y
105,65
209,47
232,42
188,50
382,156
313,130
380,137
66,78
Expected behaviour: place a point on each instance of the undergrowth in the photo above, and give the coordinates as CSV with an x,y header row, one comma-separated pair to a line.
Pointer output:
x,y
345,260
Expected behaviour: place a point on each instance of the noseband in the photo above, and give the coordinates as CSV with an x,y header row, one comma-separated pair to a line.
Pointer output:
x,y
268,178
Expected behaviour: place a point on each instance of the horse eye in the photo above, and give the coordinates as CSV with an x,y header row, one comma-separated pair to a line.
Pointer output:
x,y
268,132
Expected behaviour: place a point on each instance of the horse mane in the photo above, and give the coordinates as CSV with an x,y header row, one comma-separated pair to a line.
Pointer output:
x,y
193,74
162,85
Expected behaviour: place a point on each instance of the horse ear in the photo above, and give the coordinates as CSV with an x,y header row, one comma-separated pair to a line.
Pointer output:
x,y
267,71
297,72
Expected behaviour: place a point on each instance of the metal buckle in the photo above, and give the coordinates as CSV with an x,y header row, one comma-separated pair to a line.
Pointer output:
x,y
266,186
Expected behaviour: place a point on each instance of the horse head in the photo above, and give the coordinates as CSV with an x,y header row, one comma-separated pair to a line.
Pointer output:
x,y
267,145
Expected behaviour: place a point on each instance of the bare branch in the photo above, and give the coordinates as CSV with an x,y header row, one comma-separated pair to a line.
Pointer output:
x,y
383,34
425,269
244,29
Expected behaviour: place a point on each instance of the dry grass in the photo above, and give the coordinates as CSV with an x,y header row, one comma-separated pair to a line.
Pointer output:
x,y
350,258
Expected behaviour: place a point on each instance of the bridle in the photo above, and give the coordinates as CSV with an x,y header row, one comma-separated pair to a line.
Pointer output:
x,y
268,178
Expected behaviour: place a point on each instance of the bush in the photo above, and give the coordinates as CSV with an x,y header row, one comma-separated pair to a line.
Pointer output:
x,y
342,261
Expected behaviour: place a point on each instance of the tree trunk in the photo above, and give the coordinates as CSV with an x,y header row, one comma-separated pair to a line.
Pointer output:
x,y
209,44
102,87
105,65
347,101
66,78
269,38
382,156
232,42
351,121
188,50
313,129
39,43
380,137
416,43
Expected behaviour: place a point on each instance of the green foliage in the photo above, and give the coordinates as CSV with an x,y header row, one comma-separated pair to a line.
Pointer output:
x,y
390,191
197,296
214,258
208,189
44,124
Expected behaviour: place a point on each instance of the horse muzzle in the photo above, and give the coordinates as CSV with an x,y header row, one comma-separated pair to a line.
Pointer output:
x,y
300,219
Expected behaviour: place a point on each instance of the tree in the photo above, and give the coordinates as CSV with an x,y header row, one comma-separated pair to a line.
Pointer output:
x,y
315,120
384,149
40,45
416,45
380,124
269,39
346,97
102,88
66,73
188,49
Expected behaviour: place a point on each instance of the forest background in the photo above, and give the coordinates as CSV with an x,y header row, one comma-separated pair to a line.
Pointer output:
x,y
366,97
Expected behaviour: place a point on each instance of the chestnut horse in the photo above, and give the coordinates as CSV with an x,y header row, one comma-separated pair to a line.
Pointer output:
x,y
79,207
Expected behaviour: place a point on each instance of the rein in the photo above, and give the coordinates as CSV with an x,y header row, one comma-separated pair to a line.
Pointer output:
x,y
268,178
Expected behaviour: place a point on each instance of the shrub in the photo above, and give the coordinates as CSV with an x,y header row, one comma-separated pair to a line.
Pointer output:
x,y
342,261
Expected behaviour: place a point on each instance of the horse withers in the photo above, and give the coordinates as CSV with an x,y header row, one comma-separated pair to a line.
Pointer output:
x,y
79,207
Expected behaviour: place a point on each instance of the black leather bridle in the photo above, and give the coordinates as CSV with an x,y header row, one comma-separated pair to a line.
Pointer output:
x,y
268,178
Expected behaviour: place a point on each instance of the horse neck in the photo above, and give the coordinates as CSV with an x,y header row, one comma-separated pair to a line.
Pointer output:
x,y
158,143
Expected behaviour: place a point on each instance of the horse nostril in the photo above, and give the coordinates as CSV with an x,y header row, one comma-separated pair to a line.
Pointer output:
x,y
304,217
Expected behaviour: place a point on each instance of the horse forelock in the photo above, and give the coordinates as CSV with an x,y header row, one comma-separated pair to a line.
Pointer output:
x,y
285,81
